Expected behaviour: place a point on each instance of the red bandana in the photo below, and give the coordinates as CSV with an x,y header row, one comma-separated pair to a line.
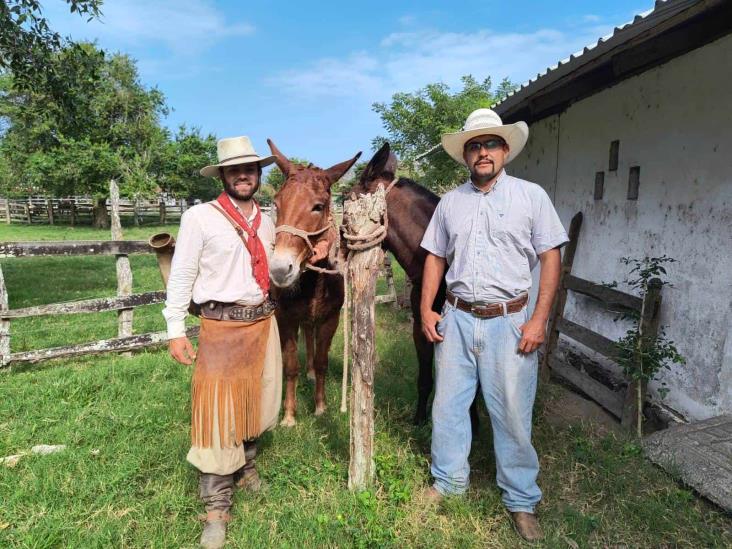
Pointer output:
x,y
260,268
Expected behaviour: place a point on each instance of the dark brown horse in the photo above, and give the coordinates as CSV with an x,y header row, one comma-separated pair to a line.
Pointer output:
x,y
410,208
307,299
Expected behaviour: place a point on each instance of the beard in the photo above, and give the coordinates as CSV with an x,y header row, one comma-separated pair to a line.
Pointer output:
x,y
230,189
483,176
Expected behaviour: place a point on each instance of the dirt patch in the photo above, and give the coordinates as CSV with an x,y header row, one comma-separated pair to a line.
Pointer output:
x,y
565,408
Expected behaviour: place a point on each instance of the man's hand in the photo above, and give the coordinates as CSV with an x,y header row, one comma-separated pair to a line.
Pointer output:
x,y
429,326
533,334
321,249
181,349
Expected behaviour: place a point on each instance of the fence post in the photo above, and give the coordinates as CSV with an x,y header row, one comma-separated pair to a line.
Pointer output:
x,y
49,206
136,211
359,216
162,212
124,272
28,214
648,331
4,323
72,212
389,273
7,211
560,300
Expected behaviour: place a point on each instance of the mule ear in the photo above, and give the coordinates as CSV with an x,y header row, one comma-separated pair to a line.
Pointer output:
x,y
377,164
334,173
280,159
391,164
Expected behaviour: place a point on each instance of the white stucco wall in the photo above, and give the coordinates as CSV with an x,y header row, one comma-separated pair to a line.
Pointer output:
x,y
675,122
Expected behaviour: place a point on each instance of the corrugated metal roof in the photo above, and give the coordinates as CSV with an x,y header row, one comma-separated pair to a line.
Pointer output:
x,y
662,10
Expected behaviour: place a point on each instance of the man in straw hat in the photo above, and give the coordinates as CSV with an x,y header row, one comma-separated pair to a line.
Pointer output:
x,y
221,262
488,234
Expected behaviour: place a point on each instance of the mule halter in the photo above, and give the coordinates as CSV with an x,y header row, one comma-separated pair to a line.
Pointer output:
x,y
353,242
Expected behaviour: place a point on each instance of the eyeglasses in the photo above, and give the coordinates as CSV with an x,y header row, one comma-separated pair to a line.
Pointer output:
x,y
489,145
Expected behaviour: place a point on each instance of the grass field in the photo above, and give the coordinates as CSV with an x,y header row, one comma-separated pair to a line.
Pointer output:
x,y
123,480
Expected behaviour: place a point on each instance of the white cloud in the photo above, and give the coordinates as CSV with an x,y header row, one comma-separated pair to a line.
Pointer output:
x,y
406,61
182,27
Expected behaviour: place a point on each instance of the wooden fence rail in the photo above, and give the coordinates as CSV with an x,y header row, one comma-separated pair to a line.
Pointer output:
x,y
74,209
623,403
124,303
125,341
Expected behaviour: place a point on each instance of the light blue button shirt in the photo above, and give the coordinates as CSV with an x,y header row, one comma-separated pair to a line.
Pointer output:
x,y
492,240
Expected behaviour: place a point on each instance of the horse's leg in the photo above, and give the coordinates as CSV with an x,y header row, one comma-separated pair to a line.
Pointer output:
x,y
288,339
325,334
308,333
424,350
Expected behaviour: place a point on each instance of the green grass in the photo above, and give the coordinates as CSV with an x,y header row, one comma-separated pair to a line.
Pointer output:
x,y
123,480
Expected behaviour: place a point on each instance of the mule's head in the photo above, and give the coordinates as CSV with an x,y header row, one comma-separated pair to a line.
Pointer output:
x,y
381,169
303,203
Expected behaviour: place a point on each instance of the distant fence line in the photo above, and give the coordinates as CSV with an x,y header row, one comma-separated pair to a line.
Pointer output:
x,y
74,210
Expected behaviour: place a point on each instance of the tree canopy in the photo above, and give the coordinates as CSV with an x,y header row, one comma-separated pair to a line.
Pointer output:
x,y
111,129
27,43
414,123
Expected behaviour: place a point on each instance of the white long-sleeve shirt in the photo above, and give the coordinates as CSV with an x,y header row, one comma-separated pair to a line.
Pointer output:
x,y
211,263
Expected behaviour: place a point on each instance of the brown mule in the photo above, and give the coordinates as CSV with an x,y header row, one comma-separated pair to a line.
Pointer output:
x,y
307,299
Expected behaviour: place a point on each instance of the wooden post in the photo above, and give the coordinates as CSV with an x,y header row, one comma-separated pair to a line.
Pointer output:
x,y
362,216
49,206
124,272
390,280
4,324
163,216
28,214
7,211
632,416
72,212
560,300
136,211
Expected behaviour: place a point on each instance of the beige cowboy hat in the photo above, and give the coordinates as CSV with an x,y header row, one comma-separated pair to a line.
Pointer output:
x,y
486,122
235,150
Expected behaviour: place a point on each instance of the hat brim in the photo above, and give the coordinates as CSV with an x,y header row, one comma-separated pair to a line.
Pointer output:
x,y
515,135
213,170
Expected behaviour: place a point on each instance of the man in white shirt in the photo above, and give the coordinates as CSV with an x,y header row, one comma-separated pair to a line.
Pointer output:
x,y
486,236
221,263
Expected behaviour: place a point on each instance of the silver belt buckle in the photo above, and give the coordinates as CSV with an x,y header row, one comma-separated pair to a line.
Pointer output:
x,y
477,305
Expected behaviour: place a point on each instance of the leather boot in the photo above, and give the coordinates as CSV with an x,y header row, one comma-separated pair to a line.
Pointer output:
x,y
527,526
216,492
247,477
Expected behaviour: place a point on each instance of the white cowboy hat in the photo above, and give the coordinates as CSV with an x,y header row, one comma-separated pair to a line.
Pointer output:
x,y
235,150
486,122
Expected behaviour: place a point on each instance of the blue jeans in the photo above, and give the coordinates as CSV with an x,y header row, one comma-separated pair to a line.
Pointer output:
x,y
485,349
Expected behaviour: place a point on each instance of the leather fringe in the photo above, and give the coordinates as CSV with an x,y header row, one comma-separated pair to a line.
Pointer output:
x,y
237,403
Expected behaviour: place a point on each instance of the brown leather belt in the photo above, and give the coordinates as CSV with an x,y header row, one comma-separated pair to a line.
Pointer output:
x,y
215,310
488,310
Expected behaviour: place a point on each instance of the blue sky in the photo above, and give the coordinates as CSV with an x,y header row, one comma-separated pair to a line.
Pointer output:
x,y
306,74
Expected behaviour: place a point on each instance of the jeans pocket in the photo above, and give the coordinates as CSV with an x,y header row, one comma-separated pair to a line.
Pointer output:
x,y
516,320
445,313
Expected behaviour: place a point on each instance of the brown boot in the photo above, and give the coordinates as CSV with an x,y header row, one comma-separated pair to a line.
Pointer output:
x,y
216,492
527,526
247,477
430,497
214,529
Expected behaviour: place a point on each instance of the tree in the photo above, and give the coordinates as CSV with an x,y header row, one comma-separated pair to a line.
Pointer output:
x,y
111,129
414,123
181,161
27,43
